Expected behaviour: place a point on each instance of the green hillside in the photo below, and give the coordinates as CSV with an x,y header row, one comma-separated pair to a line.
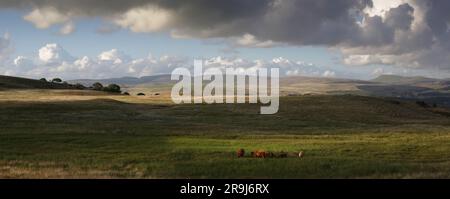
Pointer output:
x,y
9,82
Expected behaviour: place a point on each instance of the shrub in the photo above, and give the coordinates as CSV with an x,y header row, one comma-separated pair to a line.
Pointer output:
x,y
97,86
43,79
114,88
79,86
140,94
126,93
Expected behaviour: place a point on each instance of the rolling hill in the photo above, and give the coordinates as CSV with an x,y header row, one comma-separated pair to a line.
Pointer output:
x,y
9,82
432,91
418,81
396,79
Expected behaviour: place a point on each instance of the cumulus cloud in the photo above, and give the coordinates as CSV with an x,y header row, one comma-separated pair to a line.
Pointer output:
x,y
53,53
45,17
287,67
381,71
23,62
113,56
329,73
146,19
248,40
52,60
67,29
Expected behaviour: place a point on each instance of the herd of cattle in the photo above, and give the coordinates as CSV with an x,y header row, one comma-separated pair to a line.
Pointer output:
x,y
266,154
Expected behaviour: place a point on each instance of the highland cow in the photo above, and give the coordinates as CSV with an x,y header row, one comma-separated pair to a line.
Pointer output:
x,y
260,154
240,153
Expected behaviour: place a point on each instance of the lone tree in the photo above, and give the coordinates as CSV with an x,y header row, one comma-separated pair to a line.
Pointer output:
x,y
56,80
114,88
97,86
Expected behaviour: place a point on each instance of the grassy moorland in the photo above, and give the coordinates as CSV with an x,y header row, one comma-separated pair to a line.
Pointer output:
x,y
89,134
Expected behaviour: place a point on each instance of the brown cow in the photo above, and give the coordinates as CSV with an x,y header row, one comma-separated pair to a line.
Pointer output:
x,y
259,154
300,154
240,153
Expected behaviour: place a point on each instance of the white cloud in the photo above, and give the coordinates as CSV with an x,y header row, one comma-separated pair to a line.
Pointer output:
x,y
53,61
329,73
115,56
355,59
83,63
23,62
53,53
46,17
381,71
249,40
378,71
144,19
287,67
67,29
380,7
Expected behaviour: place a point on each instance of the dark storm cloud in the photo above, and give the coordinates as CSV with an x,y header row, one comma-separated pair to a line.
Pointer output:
x,y
438,18
296,21
290,21
82,7
412,33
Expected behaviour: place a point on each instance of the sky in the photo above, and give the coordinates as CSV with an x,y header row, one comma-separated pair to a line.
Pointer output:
x,y
359,39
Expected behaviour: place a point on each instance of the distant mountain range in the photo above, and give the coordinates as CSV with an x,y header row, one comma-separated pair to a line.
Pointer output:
x,y
129,81
416,80
423,88
415,88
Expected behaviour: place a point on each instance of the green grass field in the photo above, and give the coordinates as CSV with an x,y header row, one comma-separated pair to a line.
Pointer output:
x,y
88,134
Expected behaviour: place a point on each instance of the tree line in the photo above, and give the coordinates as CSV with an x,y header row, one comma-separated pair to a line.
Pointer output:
x,y
112,88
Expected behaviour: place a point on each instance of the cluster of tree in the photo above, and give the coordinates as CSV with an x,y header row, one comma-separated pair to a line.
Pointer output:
x,y
113,88
62,84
